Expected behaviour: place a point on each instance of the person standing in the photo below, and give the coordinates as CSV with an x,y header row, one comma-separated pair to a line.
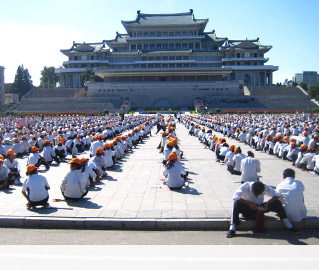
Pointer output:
x,y
291,196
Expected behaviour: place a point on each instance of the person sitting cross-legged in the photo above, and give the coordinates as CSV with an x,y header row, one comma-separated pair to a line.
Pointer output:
x,y
249,199
74,184
35,188
175,172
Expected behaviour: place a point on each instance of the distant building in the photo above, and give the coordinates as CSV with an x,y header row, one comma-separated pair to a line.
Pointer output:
x,y
298,78
310,77
2,91
168,48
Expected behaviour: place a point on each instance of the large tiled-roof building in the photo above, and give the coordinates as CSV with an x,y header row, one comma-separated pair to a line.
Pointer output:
x,y
161,51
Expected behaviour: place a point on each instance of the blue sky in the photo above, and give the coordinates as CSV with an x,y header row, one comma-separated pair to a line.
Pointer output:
x,y
34,31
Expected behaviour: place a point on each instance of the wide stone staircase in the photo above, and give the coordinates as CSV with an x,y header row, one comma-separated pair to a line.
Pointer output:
x,y
282,98
66,100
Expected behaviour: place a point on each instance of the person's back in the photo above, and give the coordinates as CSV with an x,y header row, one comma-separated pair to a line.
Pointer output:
x,y
174,175
37,186
292,198
74,184
249,168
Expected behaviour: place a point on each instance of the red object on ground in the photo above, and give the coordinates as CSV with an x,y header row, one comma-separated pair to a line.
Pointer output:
x,y
260,225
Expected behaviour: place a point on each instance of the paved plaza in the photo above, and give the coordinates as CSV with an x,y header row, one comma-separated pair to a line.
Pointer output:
x,y
133,195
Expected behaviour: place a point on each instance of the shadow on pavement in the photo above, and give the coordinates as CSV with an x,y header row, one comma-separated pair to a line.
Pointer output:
x,y
85,203
280,235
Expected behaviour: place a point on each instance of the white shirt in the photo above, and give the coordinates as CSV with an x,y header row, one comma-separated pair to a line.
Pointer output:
x,y
174,175
237,159
48,153
37,185
229,158
13,165
109,154
291,196
245,192
3,172
74,184
33,158
249,168
307,159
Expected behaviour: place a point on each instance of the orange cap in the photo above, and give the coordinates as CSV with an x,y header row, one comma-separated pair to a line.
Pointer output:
x,y
106,146
232,147
46,142
100,137
11,152
84,160
34,149
172,156
1,158
303,147
99,150
31,168
75,160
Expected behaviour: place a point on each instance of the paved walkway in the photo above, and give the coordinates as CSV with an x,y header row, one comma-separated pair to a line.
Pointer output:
x,y
133,191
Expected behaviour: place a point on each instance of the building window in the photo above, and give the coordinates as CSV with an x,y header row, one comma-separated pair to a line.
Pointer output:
x,y
165,34
190,33
139,46
238,55
178,33
197,45
172,58
133,47
165,46
75,58
152,34
179,57
184,46
146,34
190,45
171,45
158,34
171,34
178,45
164,57
255,55
158,58
152,47
150,65
146,46
172,65
184,33
158,46
139,34
150,58
238,63
255,63
186,57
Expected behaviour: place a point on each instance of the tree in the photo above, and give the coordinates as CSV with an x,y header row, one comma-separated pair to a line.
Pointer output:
x,y
314,91
304,85
89,75
49,78
22,82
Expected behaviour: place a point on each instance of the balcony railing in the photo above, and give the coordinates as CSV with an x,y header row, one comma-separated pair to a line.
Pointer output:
x,y
230,59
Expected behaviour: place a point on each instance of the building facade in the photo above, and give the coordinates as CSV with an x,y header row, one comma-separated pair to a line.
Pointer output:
x,y
168,47
162,56
2,88
310,78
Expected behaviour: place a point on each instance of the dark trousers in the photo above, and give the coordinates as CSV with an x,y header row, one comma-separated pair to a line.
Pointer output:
x,y
42,161
42,202
241,208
